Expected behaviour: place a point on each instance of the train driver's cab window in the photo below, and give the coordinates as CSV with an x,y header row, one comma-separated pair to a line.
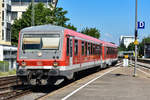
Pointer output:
x,y
40,41
50,43
31,43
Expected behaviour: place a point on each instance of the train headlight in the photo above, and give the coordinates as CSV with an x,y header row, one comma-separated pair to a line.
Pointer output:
x,y
23,63
55,64
39,54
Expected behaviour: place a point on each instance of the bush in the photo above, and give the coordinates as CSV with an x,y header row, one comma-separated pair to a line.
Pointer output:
x,y
4,66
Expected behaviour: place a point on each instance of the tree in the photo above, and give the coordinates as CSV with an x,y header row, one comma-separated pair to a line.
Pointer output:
x,y
43,15
141,45
122,47
131,47
69,26
146,40
94,32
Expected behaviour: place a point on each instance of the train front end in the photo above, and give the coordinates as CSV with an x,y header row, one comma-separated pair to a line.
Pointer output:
x,y
40,55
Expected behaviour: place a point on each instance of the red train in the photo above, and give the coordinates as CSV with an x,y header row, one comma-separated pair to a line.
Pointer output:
x,y
48,53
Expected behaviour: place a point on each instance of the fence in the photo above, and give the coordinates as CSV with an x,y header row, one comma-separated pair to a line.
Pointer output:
x,y
4,66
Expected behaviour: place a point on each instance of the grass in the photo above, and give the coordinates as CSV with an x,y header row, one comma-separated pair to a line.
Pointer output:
x,y
12,72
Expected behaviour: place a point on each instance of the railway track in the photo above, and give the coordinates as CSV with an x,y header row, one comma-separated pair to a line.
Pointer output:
x,y
7,80
14,94
8,88
6,83
143,63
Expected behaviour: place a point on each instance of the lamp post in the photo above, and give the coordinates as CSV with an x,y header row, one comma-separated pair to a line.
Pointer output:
x,y
136,34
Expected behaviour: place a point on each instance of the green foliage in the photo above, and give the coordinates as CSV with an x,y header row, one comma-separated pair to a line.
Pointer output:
x,y
131,47
94,32
122,47
43,15
141,48
146,40
69,26
4,66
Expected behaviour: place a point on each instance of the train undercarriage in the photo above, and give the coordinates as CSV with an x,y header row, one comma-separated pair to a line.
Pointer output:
x,y
40,77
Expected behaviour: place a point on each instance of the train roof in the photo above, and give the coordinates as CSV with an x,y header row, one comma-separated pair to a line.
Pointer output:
x,y
50,27
104,43
109,44
47,27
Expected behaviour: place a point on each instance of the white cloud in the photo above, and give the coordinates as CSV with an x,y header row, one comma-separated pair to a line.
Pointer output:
x,y
108,35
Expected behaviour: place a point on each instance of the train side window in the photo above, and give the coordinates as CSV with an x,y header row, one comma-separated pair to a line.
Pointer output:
x,y
82,47
89,45
76,48
108,50
92,49
100,50
97,49
67,47
105,50
86,48
70,42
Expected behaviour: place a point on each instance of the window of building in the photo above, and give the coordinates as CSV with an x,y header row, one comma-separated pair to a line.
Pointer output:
x,y
2,34
14,15
3,16
3,5
8,35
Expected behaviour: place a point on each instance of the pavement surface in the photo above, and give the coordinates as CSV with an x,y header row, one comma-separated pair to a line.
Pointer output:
x,y
118,84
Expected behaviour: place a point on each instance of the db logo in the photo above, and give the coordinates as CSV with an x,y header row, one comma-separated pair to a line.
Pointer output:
x,y
39,63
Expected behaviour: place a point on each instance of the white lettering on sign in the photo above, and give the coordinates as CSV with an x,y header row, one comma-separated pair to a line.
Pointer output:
x,y
141,25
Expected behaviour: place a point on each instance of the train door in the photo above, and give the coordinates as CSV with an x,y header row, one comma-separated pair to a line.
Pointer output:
x,y
71,51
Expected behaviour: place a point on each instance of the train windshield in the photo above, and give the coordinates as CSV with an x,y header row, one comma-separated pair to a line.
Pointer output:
x,y
37,42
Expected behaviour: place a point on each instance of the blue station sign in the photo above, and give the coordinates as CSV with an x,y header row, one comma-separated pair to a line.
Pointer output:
x,y
141,25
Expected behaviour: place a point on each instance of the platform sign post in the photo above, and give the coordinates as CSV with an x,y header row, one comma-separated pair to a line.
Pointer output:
x,y
136,34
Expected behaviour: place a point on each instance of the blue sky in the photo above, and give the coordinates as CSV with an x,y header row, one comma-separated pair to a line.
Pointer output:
x,y
112,17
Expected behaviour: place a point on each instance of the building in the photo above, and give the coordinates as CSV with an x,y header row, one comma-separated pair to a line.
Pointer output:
x,y
7,52
20,6
146,50
5,22
126,40
0,19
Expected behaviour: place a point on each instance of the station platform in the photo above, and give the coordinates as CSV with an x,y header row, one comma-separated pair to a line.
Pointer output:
x,y
117,84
